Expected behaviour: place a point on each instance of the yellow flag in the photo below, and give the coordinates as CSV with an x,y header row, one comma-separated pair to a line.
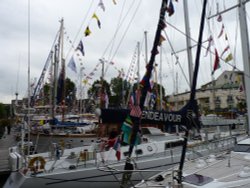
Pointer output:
x,y
85,81
41,122
162,38
97,19
87,31
229,57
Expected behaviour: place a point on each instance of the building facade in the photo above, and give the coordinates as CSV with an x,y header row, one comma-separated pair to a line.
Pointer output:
x,y
225,94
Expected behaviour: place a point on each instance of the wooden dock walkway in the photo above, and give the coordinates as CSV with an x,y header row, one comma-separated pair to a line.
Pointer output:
x,y
5,142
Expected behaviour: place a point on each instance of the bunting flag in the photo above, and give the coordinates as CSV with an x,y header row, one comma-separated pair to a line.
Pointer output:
x,y
216,62
221,31
87,31
210,42
117,148
229,58
162,38
241,88
226,37
135,108
101,5
224,51
72,64
127,129
80,48
114,2
85,81
219,18
170,8
97,19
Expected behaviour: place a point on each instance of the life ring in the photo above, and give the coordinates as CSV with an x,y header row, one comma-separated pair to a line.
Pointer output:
x,y
39,159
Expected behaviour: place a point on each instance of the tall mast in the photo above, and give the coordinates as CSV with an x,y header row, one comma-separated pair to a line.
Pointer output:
x,y
160,73
138,65
28,76
188,41
148,73
63,67
146,47
245,54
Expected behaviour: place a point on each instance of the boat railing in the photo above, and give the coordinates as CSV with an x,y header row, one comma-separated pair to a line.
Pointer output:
x,y
204,148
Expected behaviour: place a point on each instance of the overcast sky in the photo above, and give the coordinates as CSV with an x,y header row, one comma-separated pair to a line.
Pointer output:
x,y
138,16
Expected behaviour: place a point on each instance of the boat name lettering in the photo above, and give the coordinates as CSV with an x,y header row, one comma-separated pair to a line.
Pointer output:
x,y
161,116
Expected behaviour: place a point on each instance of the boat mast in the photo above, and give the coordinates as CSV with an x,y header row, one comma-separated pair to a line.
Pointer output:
x,y
245,55
29,91
146,47
138,65
63,67
188,41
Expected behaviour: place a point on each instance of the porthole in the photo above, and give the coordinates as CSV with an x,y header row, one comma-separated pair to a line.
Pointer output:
x,y
150,148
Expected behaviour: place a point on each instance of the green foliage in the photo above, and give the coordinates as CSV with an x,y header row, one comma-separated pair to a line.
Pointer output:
x,y
97,86
120,90
70,92
3,111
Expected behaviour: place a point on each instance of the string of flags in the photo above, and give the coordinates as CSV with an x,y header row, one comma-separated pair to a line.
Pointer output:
x,y
80,46
226,51
169,8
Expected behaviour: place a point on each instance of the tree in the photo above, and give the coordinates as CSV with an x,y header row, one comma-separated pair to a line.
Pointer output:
x,y
70,92
3,112
120,90
97,88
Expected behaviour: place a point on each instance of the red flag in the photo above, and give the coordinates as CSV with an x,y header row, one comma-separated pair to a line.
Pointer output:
x,y
210,42
219,18
227,48
117,148
216,62
221,31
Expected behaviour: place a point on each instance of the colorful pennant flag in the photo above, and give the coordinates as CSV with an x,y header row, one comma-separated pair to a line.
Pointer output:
x,y
226,37
72,64
241,88
80,48
216,62
221,31
127,129
224,51
229,58
162,38
87,31
97,19
219,18
101,5
170,8
210,42
117,148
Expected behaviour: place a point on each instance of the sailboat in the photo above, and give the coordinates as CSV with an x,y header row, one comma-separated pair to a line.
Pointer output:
x,y
226,169
90,165
53,119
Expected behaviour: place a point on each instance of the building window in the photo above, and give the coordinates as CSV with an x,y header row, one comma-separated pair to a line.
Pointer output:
x,y
230,99
217,102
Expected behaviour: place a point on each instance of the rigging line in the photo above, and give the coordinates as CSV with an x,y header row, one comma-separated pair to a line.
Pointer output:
x,y
118,27
185,34
79,30
18,72
176,57
136,10
202,45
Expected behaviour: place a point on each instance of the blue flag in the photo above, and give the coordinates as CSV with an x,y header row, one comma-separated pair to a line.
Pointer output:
x,y
80,48
72,64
